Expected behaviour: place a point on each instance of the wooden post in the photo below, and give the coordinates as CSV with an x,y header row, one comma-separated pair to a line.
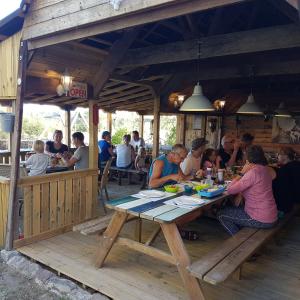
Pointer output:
x,y
67,128
109,122
180,129
141,130
93,134
15,151
156,123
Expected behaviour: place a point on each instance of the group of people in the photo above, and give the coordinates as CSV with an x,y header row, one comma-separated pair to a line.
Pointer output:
x,y
262,192
54,153
131,153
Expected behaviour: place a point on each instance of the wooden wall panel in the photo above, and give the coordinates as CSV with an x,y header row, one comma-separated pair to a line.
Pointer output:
x,y
4,194
262,130
9,51
192,133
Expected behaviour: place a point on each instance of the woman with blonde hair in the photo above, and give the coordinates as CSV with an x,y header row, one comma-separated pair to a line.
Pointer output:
x,y
39,161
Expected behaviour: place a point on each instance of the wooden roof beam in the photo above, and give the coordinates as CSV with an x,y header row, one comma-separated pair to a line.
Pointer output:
x,y
245,42
127,79
116,53
39,36
129,97
294,3
287,9
126,93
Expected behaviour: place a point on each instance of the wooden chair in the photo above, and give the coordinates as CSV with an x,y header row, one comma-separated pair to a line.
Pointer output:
x,y
103,184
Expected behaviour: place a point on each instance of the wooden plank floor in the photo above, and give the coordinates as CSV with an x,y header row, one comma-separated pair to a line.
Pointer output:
x,y
129,275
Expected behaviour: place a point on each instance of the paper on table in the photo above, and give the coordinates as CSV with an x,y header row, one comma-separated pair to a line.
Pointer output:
x,y
187,202
166,195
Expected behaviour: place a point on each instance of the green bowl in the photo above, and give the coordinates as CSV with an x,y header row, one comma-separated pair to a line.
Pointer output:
x,y
171,189
201,187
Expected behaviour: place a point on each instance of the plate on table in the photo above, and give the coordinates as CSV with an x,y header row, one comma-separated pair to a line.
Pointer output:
x,y
152,194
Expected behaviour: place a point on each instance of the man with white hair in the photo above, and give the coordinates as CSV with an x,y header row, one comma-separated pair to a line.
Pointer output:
x,y
165,169
230,152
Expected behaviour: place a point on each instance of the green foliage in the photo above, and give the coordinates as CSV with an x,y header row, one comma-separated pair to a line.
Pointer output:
x,y
171,137
32,128
117,138
168,129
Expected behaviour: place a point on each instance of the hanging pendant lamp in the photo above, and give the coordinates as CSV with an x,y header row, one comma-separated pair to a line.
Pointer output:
x,y
197,102
282,112
250,107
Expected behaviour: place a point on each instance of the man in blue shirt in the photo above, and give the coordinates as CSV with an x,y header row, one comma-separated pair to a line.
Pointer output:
x,y
105,148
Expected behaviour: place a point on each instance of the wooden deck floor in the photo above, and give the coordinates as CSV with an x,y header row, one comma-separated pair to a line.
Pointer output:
x,y
129,275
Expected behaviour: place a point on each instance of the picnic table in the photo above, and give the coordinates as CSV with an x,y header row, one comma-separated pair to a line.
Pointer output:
x,y
168,218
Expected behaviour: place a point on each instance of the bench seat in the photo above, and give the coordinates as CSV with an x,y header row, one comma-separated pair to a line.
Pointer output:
x,y
216,266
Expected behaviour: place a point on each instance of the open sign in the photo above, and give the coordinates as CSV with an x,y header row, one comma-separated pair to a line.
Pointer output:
x,y
78,90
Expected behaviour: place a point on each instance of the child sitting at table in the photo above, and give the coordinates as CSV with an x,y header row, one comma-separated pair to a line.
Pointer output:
x,y
39,161
140,160
210,160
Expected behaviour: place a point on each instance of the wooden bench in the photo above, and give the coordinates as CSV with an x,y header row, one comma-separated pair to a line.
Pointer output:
x,y
121,171
216,266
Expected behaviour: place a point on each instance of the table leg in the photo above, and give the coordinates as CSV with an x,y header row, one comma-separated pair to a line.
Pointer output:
x,y
109,237
153,236
181,256
138,230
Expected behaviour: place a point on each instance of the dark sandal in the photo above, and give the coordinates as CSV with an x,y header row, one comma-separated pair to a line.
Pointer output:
x,y
189,235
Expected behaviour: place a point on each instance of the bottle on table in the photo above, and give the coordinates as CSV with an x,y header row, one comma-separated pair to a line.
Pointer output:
x,y
221,176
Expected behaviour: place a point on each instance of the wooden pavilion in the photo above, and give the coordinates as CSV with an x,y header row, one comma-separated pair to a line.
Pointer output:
x,y
132,55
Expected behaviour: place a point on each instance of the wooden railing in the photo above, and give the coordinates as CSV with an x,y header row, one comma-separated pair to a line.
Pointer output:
x,y
4,194
54,203
5,157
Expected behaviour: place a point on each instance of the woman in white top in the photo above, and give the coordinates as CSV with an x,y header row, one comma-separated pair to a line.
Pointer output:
x,y
39,161
125,153
191,166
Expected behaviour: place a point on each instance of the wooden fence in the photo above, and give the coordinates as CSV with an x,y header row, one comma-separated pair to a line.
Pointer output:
x,y
5,157
4,194
54,203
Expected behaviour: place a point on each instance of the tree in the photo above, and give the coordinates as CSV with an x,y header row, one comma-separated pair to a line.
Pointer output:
x,y
171,137
32,128
117,138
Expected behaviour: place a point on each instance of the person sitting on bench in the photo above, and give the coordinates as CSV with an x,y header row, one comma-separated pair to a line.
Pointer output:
x,y
165,169
105,149
285,185
125,154
255,184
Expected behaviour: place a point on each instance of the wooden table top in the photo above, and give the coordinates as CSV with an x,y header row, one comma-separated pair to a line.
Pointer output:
x,y
157,210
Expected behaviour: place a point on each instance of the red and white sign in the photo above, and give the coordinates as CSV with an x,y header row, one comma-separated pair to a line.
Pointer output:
x,y
78,90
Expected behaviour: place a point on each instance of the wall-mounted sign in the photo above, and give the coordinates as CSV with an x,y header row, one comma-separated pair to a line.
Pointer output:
x,y
78,90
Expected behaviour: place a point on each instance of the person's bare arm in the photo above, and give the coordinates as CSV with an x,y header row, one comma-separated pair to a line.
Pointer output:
x,y
136,163
232,160
46,150
68,162
111,152
155,180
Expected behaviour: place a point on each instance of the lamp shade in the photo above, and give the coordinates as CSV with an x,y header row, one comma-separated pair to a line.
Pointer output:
x,y
250,107
197,102
282,112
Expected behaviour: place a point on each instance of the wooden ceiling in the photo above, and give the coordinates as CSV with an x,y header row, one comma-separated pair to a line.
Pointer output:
x,y
128,69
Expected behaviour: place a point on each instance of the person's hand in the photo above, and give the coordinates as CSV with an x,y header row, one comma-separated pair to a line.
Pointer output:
x,y
238,200
247,167
236,145
58,155
200,173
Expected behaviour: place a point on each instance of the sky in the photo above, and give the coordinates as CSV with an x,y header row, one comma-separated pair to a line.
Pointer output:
x,y
8,6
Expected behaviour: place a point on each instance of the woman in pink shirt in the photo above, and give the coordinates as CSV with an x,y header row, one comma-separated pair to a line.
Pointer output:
x,y
255,184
